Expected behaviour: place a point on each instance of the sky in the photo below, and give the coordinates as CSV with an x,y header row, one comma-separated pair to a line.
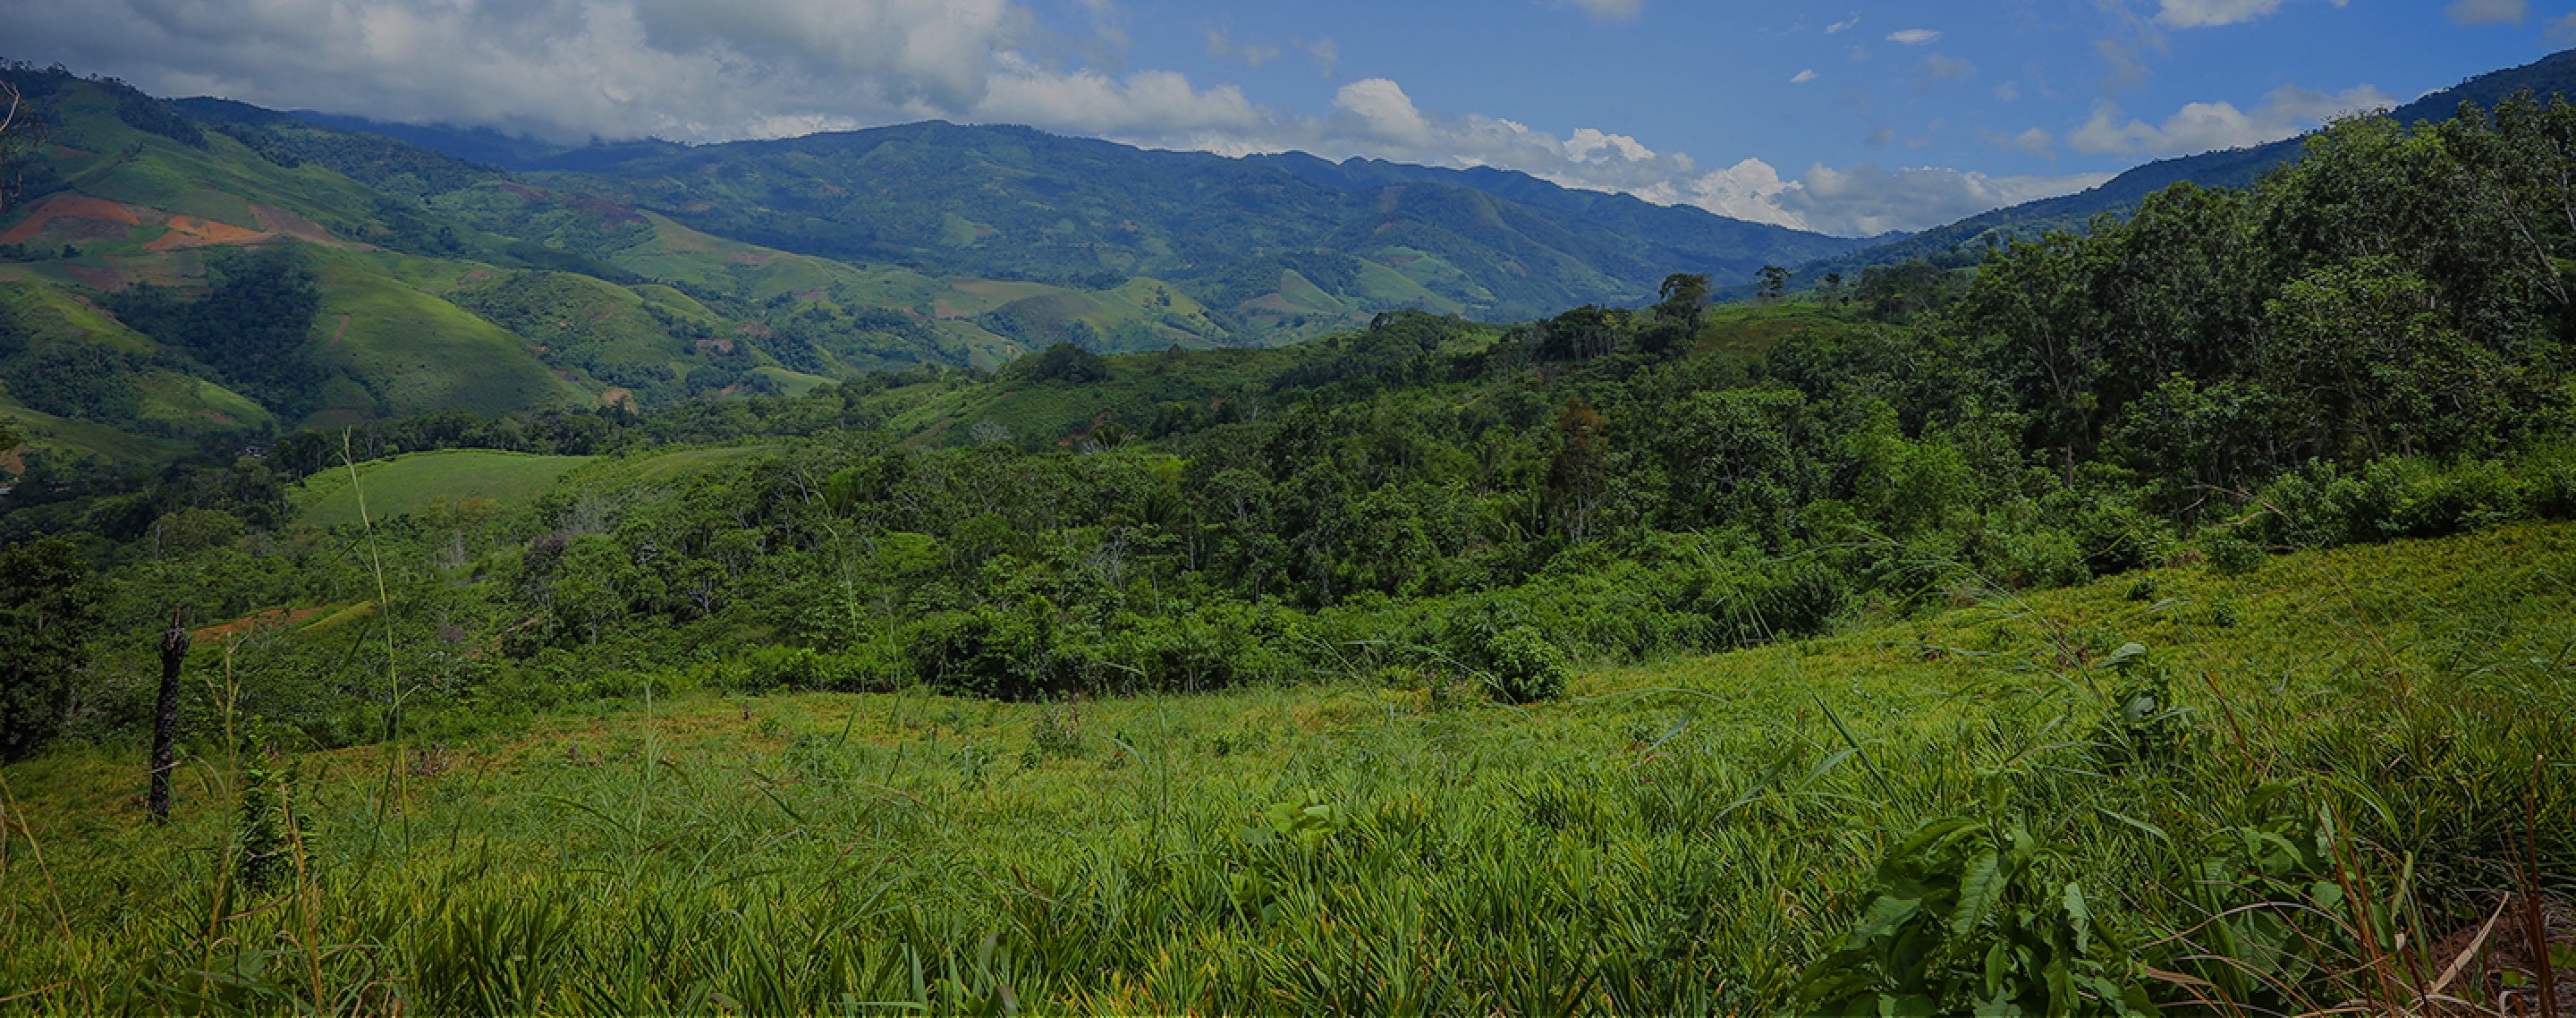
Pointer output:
x,y
1851,118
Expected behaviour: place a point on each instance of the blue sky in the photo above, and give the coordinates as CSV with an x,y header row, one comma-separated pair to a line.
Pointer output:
x,y
1851,118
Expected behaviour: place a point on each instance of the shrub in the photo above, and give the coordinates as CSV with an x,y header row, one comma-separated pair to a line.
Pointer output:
x,y
2230,553
1525,667
1058,731
48,608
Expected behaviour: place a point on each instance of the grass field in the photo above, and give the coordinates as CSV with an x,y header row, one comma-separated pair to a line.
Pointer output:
x,y
414,483
1690,836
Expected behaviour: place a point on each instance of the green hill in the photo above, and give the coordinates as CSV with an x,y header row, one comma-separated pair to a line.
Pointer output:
x,y
1966,239
417,483
1687,835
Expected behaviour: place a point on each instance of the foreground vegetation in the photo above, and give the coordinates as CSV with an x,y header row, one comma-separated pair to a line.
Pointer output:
x,y
2168,617
2313,775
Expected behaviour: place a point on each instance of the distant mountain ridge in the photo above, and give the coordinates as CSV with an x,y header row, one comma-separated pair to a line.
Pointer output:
x,y
1484,242
2553,74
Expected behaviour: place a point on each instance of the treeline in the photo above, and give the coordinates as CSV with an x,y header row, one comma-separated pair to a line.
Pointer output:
x,y
2370,343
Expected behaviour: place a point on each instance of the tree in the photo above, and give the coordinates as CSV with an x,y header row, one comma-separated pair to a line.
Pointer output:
x,y
1685,298
1063,362
1675,321
49,608
1773,283
1578,479
21,133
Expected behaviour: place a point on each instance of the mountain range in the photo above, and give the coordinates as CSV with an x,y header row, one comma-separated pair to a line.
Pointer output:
x,y
147,303
1962,242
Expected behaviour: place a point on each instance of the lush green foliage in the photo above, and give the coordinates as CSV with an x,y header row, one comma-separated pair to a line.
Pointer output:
x,y
1929,777
251,330
49,610
1688,837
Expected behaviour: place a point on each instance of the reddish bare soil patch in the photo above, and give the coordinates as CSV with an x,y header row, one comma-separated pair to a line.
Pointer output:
x,y
611,214
283,223
96,278
254,621
81,211
2494,961
198,231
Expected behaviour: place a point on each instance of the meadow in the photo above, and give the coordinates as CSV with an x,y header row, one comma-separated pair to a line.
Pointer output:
x,y
2295,789
414,483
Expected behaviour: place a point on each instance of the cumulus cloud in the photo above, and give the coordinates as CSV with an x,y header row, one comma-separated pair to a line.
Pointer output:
x,y
2211,13
2471,13
562,69
1803,77
1937,68
1221,46
2562,30
2203,127
1914,37
1323,51
1868,200
704,70
2036,141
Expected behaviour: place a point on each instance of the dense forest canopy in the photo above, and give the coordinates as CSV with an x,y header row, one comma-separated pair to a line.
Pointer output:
x,y
2369,343
1459,525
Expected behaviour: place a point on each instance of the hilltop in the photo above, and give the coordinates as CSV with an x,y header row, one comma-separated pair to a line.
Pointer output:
x,y
1964,242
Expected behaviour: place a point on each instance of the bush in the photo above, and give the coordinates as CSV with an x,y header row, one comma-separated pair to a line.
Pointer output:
x,y
1526,668
1007,655
2230,553
49,607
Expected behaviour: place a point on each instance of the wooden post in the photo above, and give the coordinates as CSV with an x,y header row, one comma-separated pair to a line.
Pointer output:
x,y
165,718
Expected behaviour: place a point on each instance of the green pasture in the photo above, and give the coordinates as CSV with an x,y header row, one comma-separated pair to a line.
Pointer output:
x,y
1691,836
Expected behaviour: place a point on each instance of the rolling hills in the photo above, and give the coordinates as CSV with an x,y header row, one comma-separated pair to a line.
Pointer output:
x,y
1964,241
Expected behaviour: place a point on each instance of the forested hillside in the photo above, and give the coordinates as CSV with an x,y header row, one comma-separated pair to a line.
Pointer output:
x,y
1964,242
209,273
2169,618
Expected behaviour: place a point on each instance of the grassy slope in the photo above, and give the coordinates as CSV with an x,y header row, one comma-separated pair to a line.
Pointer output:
x,y
411,484
414,483
1488,852
48,431
1047,411
171,401
421,353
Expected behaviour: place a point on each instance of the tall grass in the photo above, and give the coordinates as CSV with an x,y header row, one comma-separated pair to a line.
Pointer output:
x,y
2336,765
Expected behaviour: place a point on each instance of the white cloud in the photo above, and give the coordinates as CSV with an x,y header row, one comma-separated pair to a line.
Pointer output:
x,y
2211,13
2203,127
1610,9
1326,55
2008,91
1867,200
1222,47
2562,30
709,70
1803,77
1914,37
1839,27
1384,112
2035,141
1938,68
567,69
1146,103
2469,13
